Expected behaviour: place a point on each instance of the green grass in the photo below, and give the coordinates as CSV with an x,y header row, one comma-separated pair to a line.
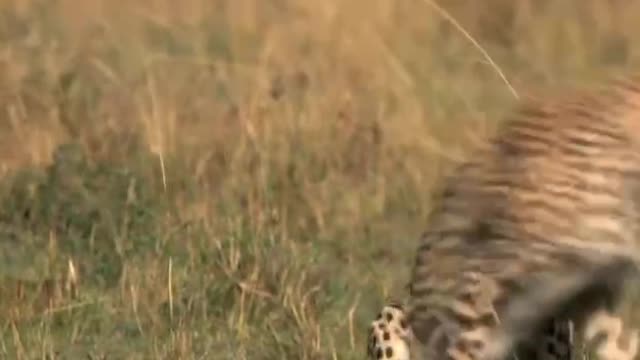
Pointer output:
x,y
247,179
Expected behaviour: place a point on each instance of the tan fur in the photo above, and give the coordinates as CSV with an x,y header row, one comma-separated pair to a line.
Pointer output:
x,y
540,224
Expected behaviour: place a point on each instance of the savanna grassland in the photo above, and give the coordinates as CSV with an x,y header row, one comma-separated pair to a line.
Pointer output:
x,y
247,179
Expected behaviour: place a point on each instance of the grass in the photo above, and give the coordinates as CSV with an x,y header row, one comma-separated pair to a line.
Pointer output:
x,y
247,179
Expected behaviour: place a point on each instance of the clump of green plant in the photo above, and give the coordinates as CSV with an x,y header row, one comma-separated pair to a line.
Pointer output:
x,y
95,212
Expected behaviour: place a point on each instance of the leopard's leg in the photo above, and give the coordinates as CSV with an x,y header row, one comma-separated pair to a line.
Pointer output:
x,y
610,339
460,325
389,335
556,341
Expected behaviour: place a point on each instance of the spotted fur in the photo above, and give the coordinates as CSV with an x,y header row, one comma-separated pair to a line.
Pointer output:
x,y
391,338
389,335
538,228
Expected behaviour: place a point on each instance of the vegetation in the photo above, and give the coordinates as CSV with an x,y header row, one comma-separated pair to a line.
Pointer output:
x,y
247,179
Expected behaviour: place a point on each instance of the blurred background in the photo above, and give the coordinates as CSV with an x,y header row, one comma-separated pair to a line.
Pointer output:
x,y
247,179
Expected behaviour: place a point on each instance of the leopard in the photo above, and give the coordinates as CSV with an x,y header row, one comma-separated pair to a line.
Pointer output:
x,y
532,239
390,337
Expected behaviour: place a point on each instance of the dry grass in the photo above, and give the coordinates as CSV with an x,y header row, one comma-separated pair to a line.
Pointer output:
x,y
246,179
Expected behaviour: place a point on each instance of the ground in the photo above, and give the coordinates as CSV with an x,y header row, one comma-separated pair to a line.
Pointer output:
x,y
248,178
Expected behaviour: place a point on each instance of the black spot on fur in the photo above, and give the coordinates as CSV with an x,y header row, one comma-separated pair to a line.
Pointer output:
x,y
483,230
373,340
389,317
476,344
550,328
388,352
386,336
